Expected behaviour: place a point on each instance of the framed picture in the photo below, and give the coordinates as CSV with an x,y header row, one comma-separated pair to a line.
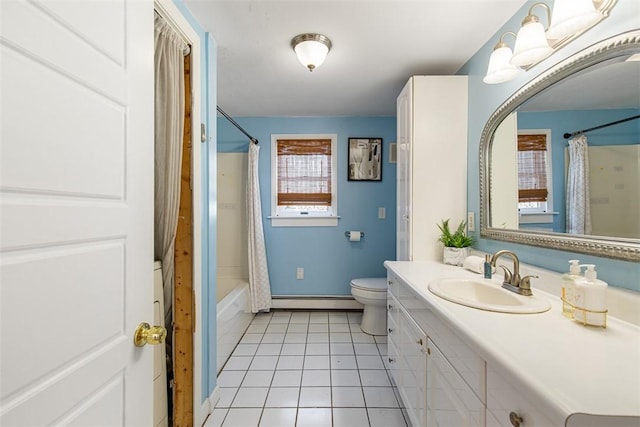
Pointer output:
x,y
365,159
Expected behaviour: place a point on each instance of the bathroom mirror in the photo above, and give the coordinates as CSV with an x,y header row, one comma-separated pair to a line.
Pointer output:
x,y
595,87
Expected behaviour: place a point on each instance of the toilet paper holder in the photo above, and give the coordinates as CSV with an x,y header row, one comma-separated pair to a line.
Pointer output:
x,y
347,234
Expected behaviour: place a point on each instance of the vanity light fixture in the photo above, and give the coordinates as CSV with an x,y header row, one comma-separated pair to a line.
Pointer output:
x,y
311,49
500,68
567,20
531,43
571,16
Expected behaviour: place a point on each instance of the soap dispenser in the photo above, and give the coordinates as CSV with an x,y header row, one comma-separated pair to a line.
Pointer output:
x,y
569,287
590,298
488,268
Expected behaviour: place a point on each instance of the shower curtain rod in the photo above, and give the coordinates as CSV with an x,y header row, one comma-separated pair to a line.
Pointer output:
x,y
233,122
578,132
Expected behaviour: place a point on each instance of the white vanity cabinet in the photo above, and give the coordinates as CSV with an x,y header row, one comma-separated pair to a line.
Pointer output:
x,y
431,137
433,391
479,368
406,344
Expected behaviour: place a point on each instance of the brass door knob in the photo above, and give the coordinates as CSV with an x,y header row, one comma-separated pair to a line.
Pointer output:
x,y
516,420
146,334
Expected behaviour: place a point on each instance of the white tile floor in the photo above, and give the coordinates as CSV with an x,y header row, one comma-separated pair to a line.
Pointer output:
x,y
306,368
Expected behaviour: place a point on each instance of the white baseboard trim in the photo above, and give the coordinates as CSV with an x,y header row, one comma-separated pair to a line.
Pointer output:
x,y
320,302
209,403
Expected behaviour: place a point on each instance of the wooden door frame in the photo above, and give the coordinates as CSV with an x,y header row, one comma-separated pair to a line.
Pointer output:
x,y
168,10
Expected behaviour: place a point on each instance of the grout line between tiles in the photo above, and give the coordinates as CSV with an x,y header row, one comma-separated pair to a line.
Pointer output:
x,y
330,344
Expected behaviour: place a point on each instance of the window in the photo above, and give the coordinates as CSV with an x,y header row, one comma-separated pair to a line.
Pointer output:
x,y
303,180
534,174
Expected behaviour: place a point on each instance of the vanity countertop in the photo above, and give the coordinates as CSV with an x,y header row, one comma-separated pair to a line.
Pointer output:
x,y
558,363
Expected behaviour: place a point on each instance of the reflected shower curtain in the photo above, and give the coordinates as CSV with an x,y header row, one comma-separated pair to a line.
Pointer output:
x,y
169,54
258,270
578,204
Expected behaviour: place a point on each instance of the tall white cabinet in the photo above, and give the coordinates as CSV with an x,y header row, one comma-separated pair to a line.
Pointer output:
x,y
432,162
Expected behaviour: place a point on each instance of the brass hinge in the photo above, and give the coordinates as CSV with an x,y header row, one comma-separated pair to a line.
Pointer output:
x,y
193,311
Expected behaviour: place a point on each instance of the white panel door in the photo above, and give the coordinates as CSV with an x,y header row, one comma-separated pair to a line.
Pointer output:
x,y
76,206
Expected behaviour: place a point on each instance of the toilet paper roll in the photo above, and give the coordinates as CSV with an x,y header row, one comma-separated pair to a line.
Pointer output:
x,y
474,263
355,236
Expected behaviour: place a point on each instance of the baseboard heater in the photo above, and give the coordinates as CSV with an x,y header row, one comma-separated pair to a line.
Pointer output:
x,y
315,302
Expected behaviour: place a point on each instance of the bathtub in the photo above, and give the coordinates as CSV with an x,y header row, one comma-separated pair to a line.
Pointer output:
x,y
234,316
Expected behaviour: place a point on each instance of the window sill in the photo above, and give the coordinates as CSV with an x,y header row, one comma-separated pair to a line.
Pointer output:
x,y
536,217
304,221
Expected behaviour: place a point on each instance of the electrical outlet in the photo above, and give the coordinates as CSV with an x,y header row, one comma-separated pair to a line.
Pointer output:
x,y
299,273
471,221
382,213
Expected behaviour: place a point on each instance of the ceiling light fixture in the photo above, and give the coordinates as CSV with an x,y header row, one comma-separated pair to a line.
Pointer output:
x,y
568,20
311,49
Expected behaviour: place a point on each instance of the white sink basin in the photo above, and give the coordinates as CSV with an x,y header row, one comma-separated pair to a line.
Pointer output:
x,y
487,295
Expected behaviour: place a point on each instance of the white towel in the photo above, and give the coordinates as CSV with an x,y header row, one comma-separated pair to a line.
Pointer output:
x,y
474,263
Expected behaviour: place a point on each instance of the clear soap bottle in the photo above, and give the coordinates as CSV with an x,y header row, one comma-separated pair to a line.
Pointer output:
x,y
569,287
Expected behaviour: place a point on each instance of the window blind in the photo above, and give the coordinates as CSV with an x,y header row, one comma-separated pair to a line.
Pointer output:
x,y
532,168
304,172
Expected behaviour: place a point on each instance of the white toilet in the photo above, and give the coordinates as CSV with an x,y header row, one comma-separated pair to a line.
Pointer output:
x,y
372,293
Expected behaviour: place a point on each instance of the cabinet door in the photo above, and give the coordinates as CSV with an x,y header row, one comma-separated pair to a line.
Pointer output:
x,y
403,171
414,376
450,401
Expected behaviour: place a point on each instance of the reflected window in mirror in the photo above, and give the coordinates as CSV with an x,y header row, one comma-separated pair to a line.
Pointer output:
x,y
535,182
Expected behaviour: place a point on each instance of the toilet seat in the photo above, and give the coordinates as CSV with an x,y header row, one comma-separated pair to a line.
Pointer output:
x,y
371,284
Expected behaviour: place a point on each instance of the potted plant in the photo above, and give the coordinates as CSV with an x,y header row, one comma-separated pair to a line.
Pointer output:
x,y
456,244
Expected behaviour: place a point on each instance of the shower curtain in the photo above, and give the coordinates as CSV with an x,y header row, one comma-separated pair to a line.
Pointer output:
x,y
169,54
260,288
578,208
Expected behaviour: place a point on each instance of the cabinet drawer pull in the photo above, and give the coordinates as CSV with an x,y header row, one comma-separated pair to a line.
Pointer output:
x,y
428,351
419,342
391,360
390,307
390,330
515,419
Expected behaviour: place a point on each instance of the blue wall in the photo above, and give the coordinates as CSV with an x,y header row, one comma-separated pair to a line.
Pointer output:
x,y
485,99
329,260
561,122
208,58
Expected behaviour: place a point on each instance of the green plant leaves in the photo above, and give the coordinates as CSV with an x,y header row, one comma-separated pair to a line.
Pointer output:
x,y
457,239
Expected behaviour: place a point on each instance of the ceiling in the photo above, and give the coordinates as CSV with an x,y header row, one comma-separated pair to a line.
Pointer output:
x,y
377,46
614,84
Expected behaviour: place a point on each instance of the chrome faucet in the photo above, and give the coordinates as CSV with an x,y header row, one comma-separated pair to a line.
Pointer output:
x,y
512,281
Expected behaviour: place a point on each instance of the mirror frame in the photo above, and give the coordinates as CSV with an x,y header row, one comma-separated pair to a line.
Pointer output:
x,y
616,248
